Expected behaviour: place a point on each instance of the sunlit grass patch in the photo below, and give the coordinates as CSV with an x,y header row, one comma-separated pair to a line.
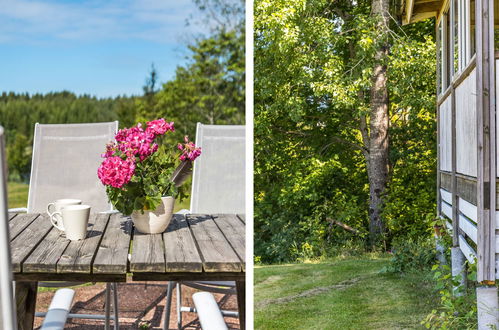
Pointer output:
x,y
340,294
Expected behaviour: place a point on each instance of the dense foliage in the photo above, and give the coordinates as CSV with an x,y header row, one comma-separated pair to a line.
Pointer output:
x,y
313,61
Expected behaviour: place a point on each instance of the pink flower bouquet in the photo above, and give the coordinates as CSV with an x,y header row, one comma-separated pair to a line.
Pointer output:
x,y
137,170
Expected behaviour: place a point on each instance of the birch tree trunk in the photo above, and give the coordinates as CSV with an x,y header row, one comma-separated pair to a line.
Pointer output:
x,y
378,162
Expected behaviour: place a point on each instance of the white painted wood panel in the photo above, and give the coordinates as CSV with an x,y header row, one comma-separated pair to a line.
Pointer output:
x,y
445,135
446,196
446,210
468,227
449,226
497,100
466,135
467,250
468,209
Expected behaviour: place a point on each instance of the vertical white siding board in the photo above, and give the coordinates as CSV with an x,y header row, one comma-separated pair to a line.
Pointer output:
x,y
497,102
466,135
446,135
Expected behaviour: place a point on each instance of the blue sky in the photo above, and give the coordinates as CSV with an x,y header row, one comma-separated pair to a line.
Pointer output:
x,y
103,48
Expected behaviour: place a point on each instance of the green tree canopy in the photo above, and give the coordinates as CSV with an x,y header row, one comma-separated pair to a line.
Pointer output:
x,y
313,64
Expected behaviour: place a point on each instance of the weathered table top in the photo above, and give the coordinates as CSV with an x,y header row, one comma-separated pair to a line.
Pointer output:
x,y
194,247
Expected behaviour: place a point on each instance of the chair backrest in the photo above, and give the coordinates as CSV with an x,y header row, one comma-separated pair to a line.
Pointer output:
x,y
7,315
65,162
219,173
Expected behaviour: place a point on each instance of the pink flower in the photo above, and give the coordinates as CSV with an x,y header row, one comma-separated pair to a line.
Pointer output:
x,y
116,172
189,150
135,141
160,126
194,154
110,150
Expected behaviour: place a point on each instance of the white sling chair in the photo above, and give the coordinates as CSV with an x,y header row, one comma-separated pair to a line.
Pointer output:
x,y
61,303
64,165
218,186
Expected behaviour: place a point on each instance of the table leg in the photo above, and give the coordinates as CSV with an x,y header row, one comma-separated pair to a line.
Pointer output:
x,y
25,304
241,303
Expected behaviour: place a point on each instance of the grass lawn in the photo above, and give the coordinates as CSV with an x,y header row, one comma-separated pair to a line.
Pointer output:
x,y
18,194
18,197
340,294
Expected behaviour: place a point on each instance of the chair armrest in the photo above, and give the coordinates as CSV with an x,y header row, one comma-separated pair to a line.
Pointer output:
x,y
18,209
208,311
109,212
57,314
183,211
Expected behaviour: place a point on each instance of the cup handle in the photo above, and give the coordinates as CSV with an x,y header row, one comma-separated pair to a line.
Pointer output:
x,y
54,223
48,208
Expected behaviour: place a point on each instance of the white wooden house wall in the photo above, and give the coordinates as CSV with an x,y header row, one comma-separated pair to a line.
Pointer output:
x,y
466,134
446,136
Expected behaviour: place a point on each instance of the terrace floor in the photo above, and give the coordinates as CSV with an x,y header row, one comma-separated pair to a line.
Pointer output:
x,y
140,304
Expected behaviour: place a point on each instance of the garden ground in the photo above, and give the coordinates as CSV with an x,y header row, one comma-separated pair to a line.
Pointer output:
x,y
352,293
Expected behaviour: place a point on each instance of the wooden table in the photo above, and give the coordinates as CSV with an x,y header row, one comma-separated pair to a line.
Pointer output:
x,y
194,247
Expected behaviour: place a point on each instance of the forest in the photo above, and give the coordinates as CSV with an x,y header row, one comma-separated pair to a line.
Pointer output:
x,y
311,128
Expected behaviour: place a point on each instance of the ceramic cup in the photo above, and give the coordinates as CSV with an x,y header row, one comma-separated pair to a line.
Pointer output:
x,y
58,205
74,219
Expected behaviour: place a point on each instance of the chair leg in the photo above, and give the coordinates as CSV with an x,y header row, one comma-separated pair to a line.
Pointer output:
x,y
115,306
107,307
179,306
168,305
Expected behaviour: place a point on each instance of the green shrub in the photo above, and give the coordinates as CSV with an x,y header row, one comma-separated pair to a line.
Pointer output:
x,y
455,312
412,254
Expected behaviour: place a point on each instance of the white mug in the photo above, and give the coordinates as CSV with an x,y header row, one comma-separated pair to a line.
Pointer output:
x,y
58,205
74,219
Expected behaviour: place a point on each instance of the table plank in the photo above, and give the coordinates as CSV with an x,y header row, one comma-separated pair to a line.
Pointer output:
x,y
234,231
12,216
20,222
181,252
242,217
216,252
28,239
112,255
45,256
147,253
78,256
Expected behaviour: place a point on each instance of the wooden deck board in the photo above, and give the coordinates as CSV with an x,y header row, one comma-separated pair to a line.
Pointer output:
x,y
147,253
45,256
112,255
20,222
28,239
216,252
181,252
234,231
79,255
